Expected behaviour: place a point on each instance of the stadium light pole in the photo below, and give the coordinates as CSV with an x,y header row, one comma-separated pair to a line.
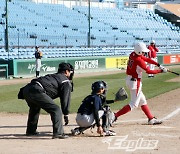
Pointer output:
x,y
6,29
65,39
114,44
18,42
89,24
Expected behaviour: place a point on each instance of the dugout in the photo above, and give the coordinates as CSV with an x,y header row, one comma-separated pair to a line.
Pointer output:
x,y
3,71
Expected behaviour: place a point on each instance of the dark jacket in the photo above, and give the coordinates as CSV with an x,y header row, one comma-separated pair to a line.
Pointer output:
x,y
38,55
57,85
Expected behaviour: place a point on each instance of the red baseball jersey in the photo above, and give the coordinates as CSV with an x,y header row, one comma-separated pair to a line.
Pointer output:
x,y
153,51
136,65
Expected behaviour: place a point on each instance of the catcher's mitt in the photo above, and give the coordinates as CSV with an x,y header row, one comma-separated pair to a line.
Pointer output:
x,y
121,95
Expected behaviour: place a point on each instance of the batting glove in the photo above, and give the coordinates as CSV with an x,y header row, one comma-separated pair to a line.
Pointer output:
x,y
164,70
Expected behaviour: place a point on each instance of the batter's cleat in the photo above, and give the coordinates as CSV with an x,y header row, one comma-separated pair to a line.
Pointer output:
x,y
58,136
32,134
154,121
109,133
75,131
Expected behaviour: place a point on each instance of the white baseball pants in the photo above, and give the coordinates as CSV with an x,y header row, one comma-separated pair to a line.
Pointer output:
x,y
85,120
137,96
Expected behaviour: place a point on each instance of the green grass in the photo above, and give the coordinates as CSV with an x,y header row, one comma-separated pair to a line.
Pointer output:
x,y
151,88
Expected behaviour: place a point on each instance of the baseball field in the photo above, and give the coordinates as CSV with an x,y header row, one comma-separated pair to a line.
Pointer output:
x,y
133,133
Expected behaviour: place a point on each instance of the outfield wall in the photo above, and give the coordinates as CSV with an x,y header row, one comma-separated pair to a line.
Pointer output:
x,y
21,68
28,67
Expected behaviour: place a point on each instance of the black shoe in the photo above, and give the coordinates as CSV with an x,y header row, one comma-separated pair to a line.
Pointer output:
x,y
75,131
58,136
151,76
32,134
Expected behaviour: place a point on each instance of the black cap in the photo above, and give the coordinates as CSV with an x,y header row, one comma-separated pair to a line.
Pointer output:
x,y
65,66
36,47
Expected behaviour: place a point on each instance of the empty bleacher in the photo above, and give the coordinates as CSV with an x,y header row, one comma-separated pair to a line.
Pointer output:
x,y
61,31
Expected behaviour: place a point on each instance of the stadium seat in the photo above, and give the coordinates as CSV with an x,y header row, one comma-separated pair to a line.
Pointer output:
x,y
51,25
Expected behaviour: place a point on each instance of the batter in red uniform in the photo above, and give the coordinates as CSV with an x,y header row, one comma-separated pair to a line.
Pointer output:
x,y
153,55
136,64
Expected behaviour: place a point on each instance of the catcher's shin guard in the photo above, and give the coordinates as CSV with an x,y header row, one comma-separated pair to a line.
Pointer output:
x,y
108,118
80,130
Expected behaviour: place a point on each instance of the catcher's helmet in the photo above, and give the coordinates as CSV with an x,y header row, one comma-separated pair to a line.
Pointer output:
x,y
140,47
97,86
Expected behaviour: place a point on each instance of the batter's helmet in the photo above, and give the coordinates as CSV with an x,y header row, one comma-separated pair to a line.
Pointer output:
x,y
97,86
140,47
153,42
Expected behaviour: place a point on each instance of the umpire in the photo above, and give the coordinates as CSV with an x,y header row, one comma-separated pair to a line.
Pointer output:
x,y
40,92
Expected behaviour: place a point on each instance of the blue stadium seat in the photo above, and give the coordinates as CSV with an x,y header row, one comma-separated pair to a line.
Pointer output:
x,y
54,25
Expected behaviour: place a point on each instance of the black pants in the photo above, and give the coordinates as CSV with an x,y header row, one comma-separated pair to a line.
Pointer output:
x,y
37,73
36,99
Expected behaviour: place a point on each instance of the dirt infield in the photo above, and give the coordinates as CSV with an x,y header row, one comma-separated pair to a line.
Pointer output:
x,y
133,133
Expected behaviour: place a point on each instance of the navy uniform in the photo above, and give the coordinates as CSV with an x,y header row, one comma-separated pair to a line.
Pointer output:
x,y
40,94
92,106
92,110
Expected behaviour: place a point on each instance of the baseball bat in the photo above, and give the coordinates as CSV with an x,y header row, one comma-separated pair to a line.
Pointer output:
x,y
173,72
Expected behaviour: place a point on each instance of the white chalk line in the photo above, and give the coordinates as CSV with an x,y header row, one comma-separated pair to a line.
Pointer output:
x,y
171,114
162,127
175,112
168,136
137,120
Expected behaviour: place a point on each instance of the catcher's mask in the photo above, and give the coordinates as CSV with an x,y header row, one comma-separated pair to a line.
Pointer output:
x,y
97,86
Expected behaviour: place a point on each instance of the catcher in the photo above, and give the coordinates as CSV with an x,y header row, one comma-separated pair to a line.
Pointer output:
x,y
94,107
